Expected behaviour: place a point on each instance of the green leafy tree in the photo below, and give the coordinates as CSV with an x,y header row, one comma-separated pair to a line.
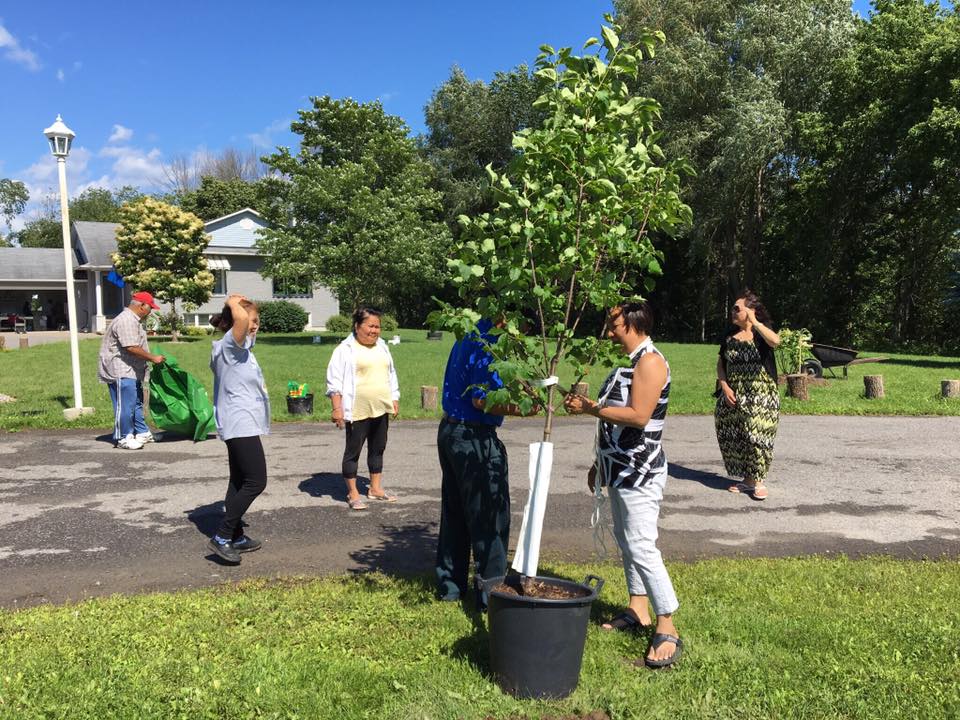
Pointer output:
x,y
13,199
735,79
215,197
43,232
470,124
95,204
873,211
577,211
160,249
354,208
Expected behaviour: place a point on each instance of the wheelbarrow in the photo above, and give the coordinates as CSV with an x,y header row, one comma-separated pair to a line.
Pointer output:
x,y
827,357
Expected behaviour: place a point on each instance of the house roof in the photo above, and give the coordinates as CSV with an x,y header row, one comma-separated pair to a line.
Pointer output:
x,y
94,242
32,264
238,212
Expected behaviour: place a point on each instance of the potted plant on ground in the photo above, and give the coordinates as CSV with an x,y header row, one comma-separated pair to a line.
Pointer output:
x,y
791,353
571,236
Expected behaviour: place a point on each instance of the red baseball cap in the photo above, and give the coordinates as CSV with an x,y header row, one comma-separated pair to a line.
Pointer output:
x,y
146,298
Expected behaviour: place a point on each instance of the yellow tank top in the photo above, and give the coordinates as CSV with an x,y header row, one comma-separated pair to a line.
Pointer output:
x,y
373,397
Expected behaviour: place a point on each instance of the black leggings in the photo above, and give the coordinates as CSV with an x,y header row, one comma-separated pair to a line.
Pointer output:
x,y
248,478
374,432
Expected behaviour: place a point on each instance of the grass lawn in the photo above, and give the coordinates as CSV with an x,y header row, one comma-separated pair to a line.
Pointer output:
x,y
806,638
40,380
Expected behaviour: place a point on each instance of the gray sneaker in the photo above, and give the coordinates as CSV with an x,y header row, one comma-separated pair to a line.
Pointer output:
x,y
146,437
225,551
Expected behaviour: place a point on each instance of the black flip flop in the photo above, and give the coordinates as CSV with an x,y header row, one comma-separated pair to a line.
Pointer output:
x,y
627,623
655,642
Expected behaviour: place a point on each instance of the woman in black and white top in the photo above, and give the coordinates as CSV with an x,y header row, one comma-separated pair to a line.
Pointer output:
x,y
631,464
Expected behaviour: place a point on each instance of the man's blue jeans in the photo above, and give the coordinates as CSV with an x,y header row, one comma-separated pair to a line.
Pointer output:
x,y
127,397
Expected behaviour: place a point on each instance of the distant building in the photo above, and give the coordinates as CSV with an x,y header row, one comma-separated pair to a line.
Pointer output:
x,y
232,257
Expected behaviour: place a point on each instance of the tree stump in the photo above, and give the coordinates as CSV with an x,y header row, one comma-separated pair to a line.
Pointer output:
x,y
581,388
873,386
798,386
950,388
428,397
24,341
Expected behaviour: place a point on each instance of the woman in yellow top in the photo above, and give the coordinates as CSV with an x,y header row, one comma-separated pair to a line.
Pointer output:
x,y
363,388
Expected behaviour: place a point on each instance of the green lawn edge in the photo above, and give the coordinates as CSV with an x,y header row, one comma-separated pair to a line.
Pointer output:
x,y
40,379
765,638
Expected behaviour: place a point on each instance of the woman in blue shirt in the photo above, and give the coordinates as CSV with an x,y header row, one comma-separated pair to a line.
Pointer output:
x,y
241,408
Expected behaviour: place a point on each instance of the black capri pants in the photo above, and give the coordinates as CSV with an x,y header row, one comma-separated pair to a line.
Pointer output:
x,y
373,431
248,478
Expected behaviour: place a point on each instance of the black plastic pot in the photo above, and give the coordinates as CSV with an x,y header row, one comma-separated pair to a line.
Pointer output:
x,y
536,645
300,405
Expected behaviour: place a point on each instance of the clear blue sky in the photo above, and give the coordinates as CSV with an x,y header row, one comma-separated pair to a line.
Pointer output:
x,y
140,82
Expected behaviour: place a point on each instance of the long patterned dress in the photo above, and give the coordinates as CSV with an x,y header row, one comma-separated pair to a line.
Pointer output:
x,y
747,430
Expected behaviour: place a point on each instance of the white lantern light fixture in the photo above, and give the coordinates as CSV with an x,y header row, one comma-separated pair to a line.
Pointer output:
x,y
60,138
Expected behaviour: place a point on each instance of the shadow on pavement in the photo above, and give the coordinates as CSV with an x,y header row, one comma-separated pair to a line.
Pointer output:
x,y
708,479
331,485
207,517
400,550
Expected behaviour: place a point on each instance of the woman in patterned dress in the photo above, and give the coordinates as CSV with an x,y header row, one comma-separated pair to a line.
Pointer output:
x,y
630,463
748,405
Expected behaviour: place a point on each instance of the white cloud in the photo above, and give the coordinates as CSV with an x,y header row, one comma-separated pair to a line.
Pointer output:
x,y
12,50
134,166
60,75
264,138
120,134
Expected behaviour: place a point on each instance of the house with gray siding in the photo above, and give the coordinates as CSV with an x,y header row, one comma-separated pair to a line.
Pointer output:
x,y
232,257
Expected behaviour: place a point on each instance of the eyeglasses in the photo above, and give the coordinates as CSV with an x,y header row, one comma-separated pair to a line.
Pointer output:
x,y
736,309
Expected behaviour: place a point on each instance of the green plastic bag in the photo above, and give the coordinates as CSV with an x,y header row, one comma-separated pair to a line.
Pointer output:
x,y
179,402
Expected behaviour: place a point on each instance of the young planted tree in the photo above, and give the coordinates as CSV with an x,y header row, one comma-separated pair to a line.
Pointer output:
x,y
571,235
160,249
576,215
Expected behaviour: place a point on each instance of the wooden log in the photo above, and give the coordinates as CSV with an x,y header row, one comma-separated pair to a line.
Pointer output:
x,y
24,341
873,386
798,386
428,397
581,388
950,388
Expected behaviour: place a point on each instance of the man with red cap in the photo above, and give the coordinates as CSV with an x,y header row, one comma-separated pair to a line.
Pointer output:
x,y
123,367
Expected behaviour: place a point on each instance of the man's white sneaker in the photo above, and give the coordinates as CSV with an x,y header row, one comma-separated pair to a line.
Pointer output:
x,y
146,437
130,442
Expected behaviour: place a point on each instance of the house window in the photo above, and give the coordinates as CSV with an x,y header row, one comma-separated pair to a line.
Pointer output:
x,y
294,287
219,282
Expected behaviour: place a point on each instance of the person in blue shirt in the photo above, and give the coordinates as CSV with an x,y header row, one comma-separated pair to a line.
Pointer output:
x,y
475,493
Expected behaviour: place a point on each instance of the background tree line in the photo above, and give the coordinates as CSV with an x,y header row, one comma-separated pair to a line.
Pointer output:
x,y
826,151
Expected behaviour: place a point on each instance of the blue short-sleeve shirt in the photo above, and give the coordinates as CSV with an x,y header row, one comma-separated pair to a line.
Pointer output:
x,y
469,364
241,405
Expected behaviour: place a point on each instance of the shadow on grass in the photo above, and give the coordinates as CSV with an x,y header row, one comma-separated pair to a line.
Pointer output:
x,y
708,479
931,363
404,552
294,340
474,648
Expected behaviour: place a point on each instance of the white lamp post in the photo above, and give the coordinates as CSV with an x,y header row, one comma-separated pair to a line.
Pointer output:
x,y
61,138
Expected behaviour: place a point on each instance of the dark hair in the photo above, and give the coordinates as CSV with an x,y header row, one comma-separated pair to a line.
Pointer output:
x,y
223,320
638,316
363,312
752,301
